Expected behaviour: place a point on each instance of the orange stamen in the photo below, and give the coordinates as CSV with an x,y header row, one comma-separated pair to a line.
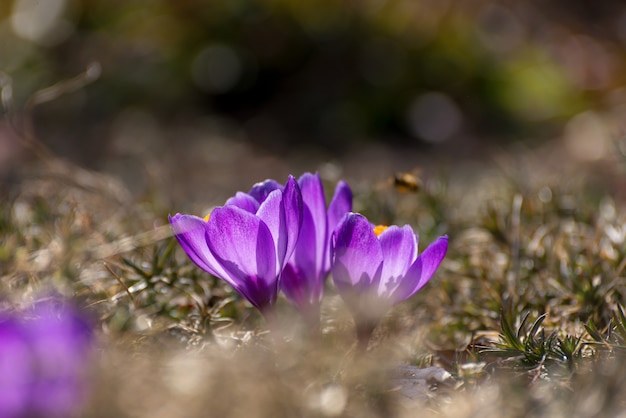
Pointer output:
x,y
379,229
206,218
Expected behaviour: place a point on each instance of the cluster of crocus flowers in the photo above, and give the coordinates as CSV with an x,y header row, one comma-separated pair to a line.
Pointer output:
x,y
44,354
286,238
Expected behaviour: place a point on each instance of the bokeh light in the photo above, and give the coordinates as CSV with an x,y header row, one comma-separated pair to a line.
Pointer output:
x,y
42,22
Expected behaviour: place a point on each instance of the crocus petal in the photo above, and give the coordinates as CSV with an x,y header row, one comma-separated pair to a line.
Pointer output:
x,y
340,204
61,340
399,247
313,242
244,246
358,256
190,232
300,277
293,205
422,270
261,190
298,289
16,370
244,201
61,334
272,213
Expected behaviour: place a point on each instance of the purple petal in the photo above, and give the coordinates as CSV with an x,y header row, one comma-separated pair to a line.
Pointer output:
x,y
399,247
340,204
61,339
191,234
358,256
293,206
61,334
261,190
312,247
243,244
244,201
299,289
16,370
303,277
272,213
422,270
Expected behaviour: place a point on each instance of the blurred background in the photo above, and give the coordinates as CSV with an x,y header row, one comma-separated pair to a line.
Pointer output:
x,y
513,110
211,88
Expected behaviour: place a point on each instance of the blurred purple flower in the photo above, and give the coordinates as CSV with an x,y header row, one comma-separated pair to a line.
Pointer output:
x,y
247,241
303,278
375,267
43,362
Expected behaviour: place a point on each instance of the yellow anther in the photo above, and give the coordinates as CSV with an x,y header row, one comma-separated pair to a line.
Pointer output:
x,y
206,218
379,229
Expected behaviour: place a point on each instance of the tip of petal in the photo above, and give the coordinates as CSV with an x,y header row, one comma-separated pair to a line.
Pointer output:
x,y
291,180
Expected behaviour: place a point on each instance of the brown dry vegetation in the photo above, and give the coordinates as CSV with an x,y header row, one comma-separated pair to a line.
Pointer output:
x,y
525,312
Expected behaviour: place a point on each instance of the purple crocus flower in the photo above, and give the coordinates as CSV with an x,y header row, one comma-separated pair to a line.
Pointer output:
x,y
304,275
375,267
43,361
246,242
